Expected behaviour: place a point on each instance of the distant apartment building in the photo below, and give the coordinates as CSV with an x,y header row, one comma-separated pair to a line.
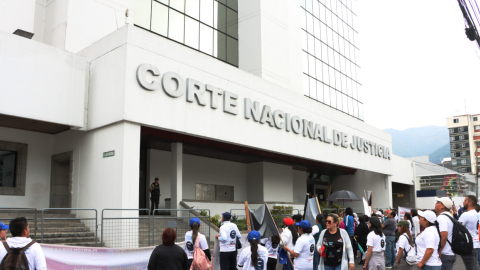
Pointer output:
x,y
464,133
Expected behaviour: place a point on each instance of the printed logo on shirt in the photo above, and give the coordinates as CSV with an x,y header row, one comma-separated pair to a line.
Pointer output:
x,y
233,234
189,246
274,246
340,240
260,264
312,247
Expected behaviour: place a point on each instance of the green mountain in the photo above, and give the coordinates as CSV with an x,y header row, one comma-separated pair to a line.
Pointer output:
x,y
421,141
442,152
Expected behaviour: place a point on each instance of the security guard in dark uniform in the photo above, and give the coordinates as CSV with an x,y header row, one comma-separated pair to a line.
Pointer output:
x,y
154,194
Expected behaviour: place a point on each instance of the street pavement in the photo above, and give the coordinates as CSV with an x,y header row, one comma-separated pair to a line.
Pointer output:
x,y
458,264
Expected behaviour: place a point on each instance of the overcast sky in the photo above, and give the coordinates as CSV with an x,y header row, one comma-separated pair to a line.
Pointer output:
x,y
417,66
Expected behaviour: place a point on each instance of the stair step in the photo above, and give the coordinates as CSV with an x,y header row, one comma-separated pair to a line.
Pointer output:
x,y
68,234
67,240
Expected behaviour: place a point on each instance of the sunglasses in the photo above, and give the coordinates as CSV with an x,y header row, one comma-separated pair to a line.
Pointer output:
x,y
328,221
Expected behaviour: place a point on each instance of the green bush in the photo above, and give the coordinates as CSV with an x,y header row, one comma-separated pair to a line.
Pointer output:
x,y
216,220
281,210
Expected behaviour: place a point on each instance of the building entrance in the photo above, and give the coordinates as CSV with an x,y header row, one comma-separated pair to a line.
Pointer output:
x,y
61,181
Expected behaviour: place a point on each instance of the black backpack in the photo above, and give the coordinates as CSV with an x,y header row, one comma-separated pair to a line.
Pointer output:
x,y
15,258
462,241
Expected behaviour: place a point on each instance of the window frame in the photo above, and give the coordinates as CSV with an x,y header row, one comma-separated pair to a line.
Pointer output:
x,y
20,168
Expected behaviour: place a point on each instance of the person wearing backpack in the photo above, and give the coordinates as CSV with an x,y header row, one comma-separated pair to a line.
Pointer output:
x,y
445,227
195,239
428,257
405,243
469,219
20,246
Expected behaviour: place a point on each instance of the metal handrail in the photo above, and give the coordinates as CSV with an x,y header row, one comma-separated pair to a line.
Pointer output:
x,y
128,209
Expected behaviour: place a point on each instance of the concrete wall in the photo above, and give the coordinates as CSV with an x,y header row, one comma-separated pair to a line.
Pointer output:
x,y
219,208
197,170
365,180
37,183
16,14
41,82
255,182
299,186
403,170
277,182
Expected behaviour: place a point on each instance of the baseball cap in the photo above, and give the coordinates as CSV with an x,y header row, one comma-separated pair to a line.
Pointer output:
x,y
403,223
428,215
253,235
304,224
193,220
288,221
156,178
3,226
282,256
445,201
227,215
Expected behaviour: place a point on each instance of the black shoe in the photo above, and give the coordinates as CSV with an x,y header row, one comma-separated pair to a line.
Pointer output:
x,y
361,262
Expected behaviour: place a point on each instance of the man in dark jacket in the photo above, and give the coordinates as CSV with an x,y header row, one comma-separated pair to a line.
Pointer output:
x,y
361,234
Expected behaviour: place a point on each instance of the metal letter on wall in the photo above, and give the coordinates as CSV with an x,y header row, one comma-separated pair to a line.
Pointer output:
x,y
167,84
141,73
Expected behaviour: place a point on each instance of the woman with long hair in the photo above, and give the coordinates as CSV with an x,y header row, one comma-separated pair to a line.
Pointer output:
x,y
361,233
427,242
271,244
255,256
408,218
375,259
415,223
191,240
289,237
303,251
335,247
404,244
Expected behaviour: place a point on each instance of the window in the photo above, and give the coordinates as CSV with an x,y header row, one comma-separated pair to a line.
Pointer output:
x,y
328,55
451,130
8,164
455,120
477,127
452,154
464,161
452,146
460,129
462,170
208,26
463,153
461,137
452,139
462,145
454,162
475,118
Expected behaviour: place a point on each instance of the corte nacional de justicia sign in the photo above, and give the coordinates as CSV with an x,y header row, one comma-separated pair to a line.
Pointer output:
x,y
196,92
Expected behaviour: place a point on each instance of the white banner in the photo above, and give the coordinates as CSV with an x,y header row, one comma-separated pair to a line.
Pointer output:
x,y
366,208
402,211
60,257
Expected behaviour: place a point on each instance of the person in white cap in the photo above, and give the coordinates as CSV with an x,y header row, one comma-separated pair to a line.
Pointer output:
x,y
445,226
427,243
470,220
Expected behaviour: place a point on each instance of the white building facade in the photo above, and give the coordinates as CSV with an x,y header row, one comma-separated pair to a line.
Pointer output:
x,y
224,101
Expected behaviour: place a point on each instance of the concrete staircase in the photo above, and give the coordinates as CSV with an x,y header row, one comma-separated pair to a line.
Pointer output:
x,y
66,230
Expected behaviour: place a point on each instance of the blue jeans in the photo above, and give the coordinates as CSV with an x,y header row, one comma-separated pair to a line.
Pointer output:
x,y
390,251
333,267
316,259
426,267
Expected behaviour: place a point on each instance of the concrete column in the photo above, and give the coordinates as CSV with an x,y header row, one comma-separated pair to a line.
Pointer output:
x,y
177,175
388,180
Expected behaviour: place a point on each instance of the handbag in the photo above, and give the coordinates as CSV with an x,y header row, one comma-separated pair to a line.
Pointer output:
x,y
238,244
200,260
411,256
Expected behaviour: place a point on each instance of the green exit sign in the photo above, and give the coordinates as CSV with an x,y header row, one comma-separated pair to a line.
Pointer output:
x,y
109,154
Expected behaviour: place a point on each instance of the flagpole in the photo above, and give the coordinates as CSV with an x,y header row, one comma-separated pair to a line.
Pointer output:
x,y
319,209
247,214
276,227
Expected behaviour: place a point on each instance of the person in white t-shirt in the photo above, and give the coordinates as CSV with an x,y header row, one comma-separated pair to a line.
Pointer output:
x,y
469,219
404,244
416,223
376,243
272,244
427,243
408,218
445,226
191,238
255,256
303,251
21,238
228,239
289,237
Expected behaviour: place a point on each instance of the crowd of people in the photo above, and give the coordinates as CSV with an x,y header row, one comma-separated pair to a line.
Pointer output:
x,y
428,240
